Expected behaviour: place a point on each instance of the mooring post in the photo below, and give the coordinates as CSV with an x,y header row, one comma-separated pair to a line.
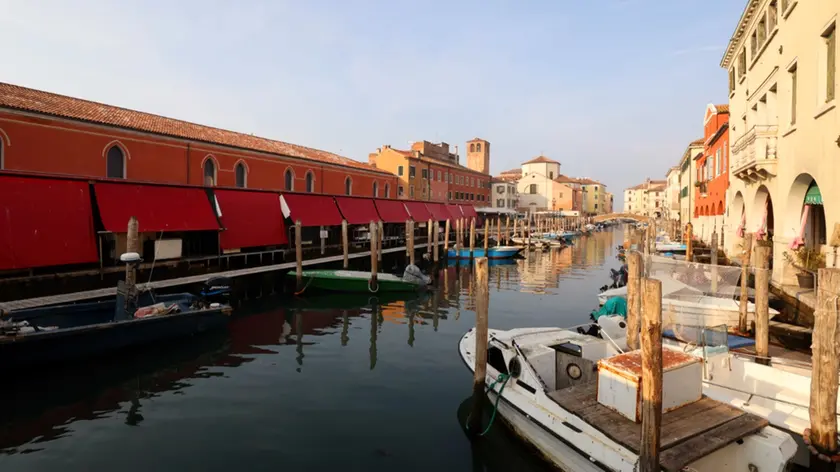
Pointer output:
x,y
132,244
411,240
436,243
446,239
825,362
380,232
714,271
507,233
457,235
498,231
323,240
482,305
486,235
374,249
762,300
689,246
299,255
513,234
345,244
407,238
429,237
745,282
651,376
472,236
634,298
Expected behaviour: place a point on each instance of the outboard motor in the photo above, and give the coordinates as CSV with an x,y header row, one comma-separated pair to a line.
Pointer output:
x,y
414,275
216,290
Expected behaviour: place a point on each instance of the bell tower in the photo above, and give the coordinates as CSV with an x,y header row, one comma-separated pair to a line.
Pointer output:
x,y
478,155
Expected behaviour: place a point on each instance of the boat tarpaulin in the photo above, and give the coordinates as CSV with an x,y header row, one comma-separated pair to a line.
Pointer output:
x,y
157,207
418,211
357,211
311,210
438,211
392,211
454,211
468,211
250,219
45,222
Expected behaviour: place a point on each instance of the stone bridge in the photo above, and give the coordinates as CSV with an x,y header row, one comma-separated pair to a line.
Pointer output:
x,y
619,216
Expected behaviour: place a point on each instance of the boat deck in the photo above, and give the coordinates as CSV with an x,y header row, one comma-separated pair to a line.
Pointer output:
x,y
688,433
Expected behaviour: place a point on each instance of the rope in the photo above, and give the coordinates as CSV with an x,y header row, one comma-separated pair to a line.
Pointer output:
x,y
305,286
500,378
369,286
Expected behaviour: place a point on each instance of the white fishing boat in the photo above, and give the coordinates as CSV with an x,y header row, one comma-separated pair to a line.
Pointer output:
x,y
670,247
572,396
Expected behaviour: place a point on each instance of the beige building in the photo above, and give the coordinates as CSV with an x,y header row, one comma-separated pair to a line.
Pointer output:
x,y
688,175
647,199
536,186
503,193
594,197
672,194
784,127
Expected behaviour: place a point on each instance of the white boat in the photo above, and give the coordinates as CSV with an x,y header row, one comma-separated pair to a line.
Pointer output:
x,y
552,403
670,247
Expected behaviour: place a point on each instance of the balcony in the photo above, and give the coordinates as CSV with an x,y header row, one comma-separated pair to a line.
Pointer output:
x,y
754,154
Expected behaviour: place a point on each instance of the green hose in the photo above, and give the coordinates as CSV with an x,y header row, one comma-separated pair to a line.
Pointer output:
x,y
503,378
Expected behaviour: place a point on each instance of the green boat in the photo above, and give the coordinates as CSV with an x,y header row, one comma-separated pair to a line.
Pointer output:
x,y
355,281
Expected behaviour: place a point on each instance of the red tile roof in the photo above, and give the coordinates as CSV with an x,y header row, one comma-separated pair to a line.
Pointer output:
x,y
698,141
587,181
517,171
26,99
722,108
541,159
565,179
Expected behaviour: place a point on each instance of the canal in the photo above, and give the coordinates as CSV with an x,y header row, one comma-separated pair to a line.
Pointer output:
x,y
319,383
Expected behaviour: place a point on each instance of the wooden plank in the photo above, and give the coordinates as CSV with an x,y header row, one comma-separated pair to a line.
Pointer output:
x,y
674,459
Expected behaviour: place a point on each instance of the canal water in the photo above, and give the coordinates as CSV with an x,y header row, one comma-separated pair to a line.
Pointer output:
x,y
319,383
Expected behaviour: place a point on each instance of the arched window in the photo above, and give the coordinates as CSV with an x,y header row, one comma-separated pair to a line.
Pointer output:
x,y
209,171
387,190
241,175
477,147
348,186
310,182
115,163
472,147
289,184
376,189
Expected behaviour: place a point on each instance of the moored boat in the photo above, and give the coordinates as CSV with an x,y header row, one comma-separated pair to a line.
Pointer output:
x,y
497,252
359,281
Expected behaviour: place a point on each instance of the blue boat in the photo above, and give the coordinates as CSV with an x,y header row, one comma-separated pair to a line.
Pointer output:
x,y
57,334
498,252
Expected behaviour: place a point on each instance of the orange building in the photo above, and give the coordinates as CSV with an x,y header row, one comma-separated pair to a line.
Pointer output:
x,y
46,132
713,169
567,194
430,172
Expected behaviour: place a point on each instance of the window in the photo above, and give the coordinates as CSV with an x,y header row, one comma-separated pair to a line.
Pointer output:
x,y
561,195
732,79
446,176
438,176
290,181
115,164
532,189
400,191
742,63
596,206
310,182
793,92
830,36
472,196
472,181
376,189
412,172
477,147
551,175
425,174
725,155
387,190
400,171
772,16
717,161
784,5
753,44
209,170
241,175
348,186
411,191
761,32
500,203
449,196
472,147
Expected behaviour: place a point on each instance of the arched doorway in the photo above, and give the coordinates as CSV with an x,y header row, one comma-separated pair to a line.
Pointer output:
x,y
739,215
762,210
805,212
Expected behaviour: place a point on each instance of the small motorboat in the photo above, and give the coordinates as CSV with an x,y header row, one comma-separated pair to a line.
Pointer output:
x,y
497,252
361,281
671,247
576,399
55,334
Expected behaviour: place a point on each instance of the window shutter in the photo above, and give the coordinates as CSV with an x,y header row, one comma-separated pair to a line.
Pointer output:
x,y
831,65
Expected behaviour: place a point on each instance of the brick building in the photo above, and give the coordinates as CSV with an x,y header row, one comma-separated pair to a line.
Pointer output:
x,y
431,172
712,171
50,133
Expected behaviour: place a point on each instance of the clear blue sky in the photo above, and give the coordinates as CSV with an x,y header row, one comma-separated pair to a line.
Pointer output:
x,y
613,89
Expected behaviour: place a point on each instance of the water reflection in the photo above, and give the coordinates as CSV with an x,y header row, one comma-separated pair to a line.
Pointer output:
x,y
410,353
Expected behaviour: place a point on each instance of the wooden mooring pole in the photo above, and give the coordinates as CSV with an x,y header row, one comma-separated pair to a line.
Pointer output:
x,y
651,376
436,242
634,298
482,306
745,282
714,262
762,300
689,249
323,240
825,362
429,236
345,244
411,244
486,235
132,244
446,239
374,250
472,236
498,231
299,255
507,233
407,238
380,232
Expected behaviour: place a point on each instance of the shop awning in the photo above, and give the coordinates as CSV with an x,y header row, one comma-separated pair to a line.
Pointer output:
x,y
311,210
157,207
813,196
468,211
45,222
250,219
454,212
438,211
418,211
392,211
357,211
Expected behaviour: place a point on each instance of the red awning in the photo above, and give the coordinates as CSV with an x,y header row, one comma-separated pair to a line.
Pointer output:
x,y
157,207
468,211
392,211
45,222
357,211
311,210
250,219
438,211
418,211
454,211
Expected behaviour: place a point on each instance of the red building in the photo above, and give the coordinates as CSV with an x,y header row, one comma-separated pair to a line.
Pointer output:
x,y
713,165
46,132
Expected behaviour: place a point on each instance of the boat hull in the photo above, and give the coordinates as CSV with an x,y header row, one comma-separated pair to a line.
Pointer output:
x,y
503,252
353,282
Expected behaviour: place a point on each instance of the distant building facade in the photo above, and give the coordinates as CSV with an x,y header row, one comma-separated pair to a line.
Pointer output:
x,y
712,169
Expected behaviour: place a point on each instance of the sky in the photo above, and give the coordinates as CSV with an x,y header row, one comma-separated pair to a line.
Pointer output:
x,y
613,89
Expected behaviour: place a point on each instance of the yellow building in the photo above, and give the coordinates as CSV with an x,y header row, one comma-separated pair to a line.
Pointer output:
x,y
594,197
